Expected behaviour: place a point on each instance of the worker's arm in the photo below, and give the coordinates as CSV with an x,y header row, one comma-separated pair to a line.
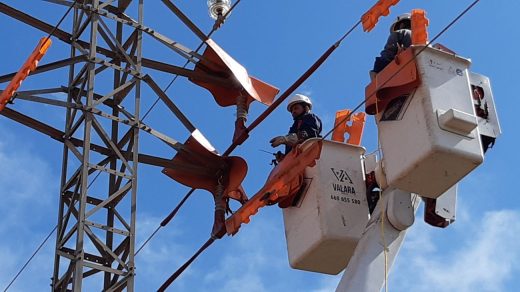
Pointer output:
x,y
401,38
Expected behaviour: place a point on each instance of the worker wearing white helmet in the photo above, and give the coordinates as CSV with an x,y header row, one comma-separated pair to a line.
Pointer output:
x,y
306,124
400,38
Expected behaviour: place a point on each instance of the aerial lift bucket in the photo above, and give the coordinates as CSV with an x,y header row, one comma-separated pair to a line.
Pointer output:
x,y
428,129
281,186
322,229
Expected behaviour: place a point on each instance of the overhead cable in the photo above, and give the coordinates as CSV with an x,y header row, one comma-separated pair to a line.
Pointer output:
x,y
31,257
255,123
347,117
55,227
172,214
208,243
215,28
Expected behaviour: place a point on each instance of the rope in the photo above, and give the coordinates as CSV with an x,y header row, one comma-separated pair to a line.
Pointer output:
x,y
383,208
385,247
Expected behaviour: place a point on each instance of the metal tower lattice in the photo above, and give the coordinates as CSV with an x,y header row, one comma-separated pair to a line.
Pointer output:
x,y
96,233
97,209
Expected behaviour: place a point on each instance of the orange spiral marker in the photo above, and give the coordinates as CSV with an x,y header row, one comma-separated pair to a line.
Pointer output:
x,y
28,67
371,17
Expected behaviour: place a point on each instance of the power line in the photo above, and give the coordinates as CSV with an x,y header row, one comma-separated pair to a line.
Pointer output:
x,y
177,273
214,29
294,86
402,67
44,241
30,258
253,125
169,217
174,212
210,241
55,227
61,20
166,220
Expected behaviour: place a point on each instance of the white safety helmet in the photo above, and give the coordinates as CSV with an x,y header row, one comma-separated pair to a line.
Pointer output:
x,y
298,98
399,19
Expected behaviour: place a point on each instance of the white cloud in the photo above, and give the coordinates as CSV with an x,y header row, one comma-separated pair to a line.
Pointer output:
x,y
485,260
28,215
242,268
255,260
161,255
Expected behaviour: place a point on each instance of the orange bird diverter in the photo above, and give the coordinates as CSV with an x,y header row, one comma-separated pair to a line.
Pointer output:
x,y
371,17
28,67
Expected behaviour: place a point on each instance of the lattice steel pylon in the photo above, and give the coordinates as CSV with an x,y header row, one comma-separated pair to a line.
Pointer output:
x,y
97,222
113,246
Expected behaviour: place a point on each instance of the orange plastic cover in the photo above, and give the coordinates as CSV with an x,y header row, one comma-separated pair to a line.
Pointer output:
x,y
419,27
398,78
371,17
283,181
355,130
30,65
201,168
216,61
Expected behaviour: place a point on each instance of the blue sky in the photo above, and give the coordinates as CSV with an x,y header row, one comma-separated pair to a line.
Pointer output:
x,y
276,41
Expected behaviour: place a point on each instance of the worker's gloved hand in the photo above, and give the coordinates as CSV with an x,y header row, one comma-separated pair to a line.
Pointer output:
x,y
291,140
277,141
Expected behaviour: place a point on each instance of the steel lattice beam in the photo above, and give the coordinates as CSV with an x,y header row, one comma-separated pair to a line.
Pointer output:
x,y
96,233
97,222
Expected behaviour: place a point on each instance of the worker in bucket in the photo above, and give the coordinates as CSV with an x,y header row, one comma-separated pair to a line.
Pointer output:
x,y
400,38
306,124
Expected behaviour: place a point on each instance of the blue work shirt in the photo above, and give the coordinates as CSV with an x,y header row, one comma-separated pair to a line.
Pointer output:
x,y
403,37
306,126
